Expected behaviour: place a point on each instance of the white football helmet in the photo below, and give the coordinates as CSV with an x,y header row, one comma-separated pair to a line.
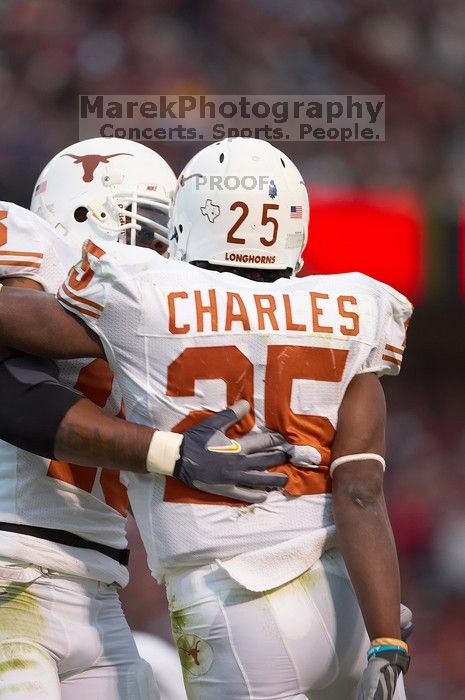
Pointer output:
x,y
107,188
241,203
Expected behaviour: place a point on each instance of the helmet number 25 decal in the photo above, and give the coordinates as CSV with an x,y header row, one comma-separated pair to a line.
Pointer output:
x,y
266,219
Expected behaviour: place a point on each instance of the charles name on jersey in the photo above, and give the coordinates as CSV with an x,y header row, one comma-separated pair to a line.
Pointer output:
x,y
216,310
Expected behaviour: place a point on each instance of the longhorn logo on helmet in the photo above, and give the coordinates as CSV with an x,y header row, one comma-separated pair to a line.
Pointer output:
x,y
90,162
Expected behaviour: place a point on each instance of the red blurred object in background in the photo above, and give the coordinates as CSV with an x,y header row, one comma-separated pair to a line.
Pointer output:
x,y
378,232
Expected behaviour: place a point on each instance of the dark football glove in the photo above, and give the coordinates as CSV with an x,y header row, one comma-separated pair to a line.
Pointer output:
x,y
212,462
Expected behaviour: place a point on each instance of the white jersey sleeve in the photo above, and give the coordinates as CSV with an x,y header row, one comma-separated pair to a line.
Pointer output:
x,y
86,290
29,248
391,312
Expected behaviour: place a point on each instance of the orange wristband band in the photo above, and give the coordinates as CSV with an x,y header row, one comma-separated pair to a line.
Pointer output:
x,y
389,641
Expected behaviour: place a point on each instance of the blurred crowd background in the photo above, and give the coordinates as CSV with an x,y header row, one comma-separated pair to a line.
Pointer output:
x,y
414,53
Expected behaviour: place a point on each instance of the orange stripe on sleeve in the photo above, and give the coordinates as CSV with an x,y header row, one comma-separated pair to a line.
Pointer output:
x,y
393,360
392,348
22,253
19,263
80,299
75,307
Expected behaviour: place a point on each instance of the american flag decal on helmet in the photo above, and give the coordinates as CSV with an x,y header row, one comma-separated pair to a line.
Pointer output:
x,y
296,212
41,187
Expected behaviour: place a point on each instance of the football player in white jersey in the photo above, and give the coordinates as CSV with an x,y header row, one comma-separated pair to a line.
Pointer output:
x,y
62,527
261,601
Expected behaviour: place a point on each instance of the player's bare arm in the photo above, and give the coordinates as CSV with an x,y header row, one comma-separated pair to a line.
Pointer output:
x,y
359,508
21,282
36,323
364,530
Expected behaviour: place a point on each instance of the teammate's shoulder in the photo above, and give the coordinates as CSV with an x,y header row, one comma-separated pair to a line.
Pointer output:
x,y
112,259
20,219
13,209
113,252
26,241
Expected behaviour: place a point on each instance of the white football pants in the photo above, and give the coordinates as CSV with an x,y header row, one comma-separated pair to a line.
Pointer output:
x,y
304,639
66,638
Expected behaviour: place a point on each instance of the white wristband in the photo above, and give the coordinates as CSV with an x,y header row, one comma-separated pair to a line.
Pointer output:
x,y
164,451
356,458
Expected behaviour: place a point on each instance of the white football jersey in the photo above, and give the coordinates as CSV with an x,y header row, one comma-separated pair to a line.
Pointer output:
x,y
184,342
91,503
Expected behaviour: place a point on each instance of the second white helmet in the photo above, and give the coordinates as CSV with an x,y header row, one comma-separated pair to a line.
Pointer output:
x,y
107,188
240,203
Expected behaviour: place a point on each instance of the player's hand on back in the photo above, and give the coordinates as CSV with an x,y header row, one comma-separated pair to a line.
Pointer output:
x,y
212,462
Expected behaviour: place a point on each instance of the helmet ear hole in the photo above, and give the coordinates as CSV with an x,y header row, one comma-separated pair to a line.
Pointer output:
x,y
283,163
221,157
80,214
180,228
